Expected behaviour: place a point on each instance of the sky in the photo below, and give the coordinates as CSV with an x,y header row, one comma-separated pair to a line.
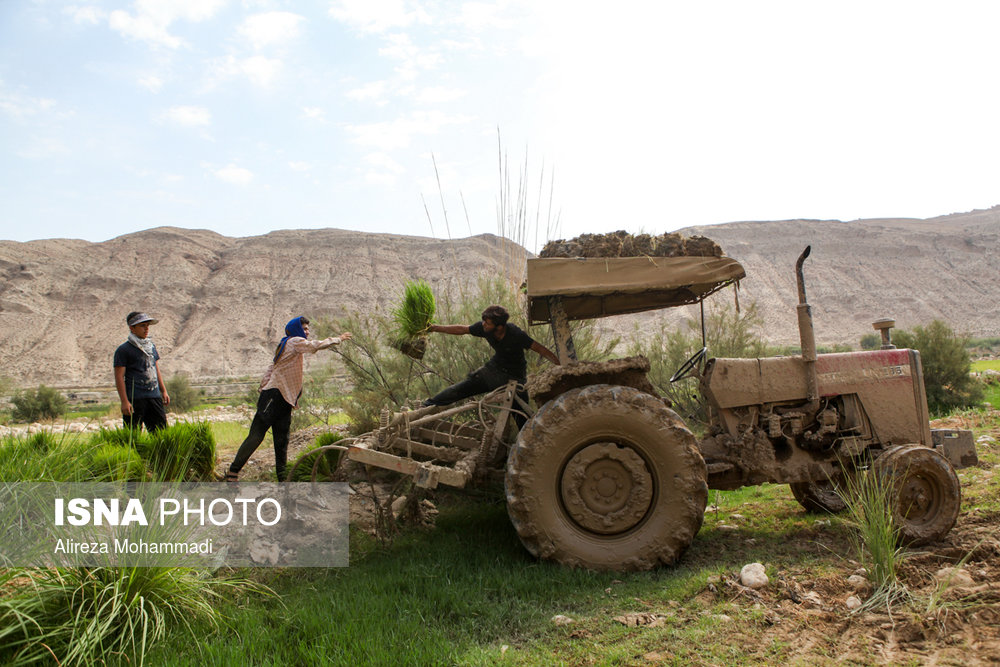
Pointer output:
x,y
537,119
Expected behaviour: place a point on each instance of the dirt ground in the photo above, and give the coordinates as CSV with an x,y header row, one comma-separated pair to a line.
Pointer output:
x,y
809,614
952,623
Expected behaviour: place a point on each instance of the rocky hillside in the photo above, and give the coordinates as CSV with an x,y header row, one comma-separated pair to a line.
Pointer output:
x,y
222,301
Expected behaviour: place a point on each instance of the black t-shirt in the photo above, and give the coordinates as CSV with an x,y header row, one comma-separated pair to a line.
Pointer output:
x,y
509,351
140,371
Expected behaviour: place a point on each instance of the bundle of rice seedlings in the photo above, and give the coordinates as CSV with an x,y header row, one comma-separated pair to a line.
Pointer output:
x,y
413,318
416,313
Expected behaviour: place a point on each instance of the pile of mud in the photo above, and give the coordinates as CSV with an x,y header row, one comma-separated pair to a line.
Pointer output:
x,y
623,244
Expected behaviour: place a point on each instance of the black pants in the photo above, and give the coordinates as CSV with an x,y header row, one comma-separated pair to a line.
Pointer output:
x,y
274,413
480,381
146,411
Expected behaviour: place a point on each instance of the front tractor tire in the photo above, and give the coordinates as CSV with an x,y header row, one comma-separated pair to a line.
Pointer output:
x,y
822,496
606,477
926,494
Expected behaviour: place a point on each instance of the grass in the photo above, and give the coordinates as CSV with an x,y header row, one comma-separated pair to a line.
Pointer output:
x,y
460,594
984,364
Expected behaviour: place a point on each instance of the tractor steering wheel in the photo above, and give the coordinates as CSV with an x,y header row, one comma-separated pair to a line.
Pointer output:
x,y
689,365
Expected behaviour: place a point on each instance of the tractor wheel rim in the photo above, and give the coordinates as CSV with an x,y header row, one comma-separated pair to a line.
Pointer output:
x,y
607,488
919,498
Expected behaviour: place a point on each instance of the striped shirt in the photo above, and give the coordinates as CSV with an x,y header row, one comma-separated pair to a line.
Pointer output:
x,y
285,374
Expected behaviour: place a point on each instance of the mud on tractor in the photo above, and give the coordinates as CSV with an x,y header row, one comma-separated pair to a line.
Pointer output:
x,y
605,475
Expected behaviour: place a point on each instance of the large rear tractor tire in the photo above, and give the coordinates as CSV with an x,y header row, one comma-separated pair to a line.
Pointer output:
x,y
926,493
606,477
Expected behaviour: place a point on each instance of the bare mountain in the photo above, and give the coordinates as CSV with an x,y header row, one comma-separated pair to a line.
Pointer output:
x,y
222,302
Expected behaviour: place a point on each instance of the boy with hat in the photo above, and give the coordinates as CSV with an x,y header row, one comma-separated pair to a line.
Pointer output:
x,y
140,386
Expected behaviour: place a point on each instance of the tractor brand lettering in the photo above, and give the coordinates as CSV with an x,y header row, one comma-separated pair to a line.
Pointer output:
x,y
865,374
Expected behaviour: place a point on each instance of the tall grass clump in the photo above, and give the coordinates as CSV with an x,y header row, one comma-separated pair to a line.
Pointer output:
x,y
86,616
870,498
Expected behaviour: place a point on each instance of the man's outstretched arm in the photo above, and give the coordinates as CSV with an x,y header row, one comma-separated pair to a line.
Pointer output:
x,y
453,329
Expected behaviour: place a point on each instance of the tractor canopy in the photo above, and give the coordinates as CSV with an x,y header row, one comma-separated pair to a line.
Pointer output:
x,y
598,287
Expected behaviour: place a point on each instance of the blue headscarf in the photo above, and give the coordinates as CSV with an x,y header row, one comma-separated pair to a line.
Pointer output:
x,y
292,330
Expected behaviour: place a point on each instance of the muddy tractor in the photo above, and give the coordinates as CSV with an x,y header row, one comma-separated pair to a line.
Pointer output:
x,y
605,475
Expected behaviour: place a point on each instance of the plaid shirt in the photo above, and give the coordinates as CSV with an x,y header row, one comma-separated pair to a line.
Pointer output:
x,y
285,375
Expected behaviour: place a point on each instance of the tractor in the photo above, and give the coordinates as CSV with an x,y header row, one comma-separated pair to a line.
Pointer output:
x,y
605,475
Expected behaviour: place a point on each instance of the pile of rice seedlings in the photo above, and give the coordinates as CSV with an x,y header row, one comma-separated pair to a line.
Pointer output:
x,y
326,465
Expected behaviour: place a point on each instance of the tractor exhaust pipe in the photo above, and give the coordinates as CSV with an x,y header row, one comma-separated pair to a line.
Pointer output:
x,y
807,336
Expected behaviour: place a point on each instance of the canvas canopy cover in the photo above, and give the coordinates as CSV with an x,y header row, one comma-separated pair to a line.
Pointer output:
x,y
599,287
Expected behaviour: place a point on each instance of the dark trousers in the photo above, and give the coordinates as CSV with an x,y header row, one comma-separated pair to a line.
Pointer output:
x,y
274,413
148,412
480,381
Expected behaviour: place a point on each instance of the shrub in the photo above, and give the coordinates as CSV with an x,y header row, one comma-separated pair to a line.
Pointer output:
x,y
871,342
183,397
946,363
42,403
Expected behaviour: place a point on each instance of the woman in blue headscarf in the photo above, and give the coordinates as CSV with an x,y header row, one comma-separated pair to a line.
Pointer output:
x,y
279,394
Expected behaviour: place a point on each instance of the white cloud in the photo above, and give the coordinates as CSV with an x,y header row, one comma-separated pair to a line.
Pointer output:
x,y
411,56
382,169
377,16
234,175
313,113
260,70
188,116
87,14
398,133
271,28
299,166
20,106
152,18
42,148
370,92
152,83
439,95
